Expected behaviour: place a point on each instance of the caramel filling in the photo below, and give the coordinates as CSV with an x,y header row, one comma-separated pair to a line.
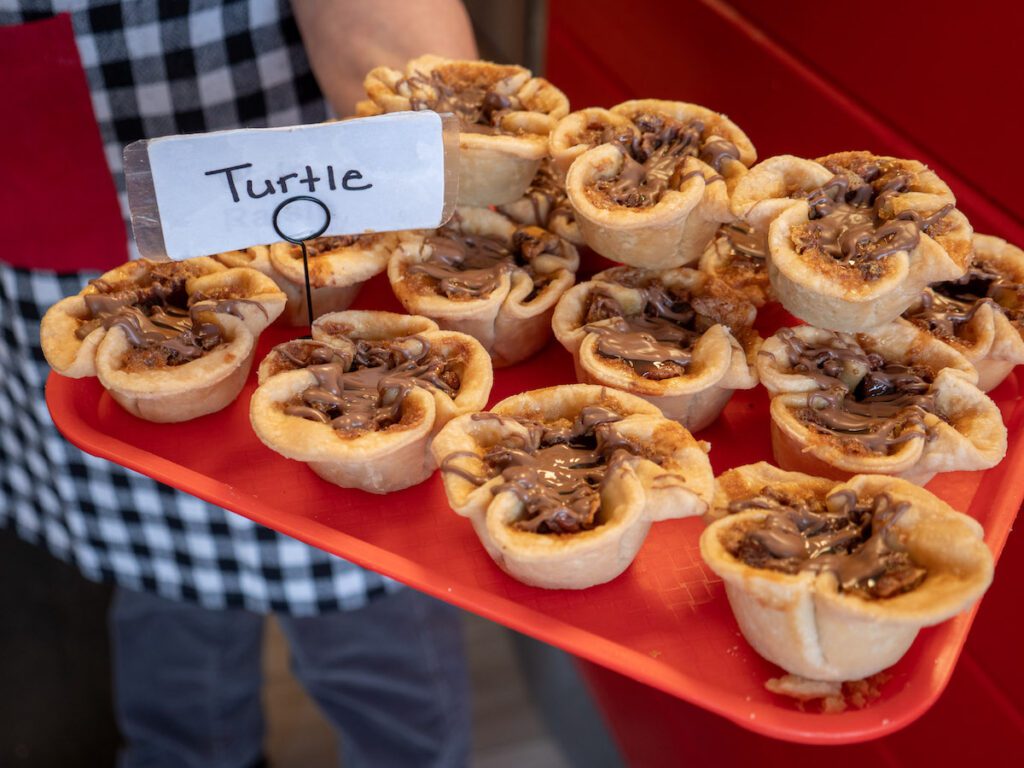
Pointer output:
x,y
322,245
845,535
557,470
363,390
478,106
164,326
851,220
657,342
867,403
945,308
653,159
467,266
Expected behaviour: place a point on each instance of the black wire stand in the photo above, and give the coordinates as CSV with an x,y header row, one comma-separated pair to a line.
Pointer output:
x,y
301,242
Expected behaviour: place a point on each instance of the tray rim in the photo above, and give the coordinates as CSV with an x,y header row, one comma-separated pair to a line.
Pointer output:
x,y
793,726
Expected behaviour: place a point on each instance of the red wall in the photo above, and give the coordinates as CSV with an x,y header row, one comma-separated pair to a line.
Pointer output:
x,y
913,79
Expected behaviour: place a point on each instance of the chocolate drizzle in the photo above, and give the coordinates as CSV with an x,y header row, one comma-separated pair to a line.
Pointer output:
x,y
653,159
849,537
478,107
161,322
557,470
852,219
865,401
657,341
946,307
362,388
468,266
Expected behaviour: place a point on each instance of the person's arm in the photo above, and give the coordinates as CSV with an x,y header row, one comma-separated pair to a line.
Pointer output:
x,y
345,39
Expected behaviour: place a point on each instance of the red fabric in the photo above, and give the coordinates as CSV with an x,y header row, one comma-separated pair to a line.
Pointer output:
x,y
56,187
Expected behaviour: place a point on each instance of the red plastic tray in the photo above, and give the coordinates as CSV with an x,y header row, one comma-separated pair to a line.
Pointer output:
x,y
665,622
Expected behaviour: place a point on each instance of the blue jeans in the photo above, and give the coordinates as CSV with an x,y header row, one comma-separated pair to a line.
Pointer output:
x,y
391,677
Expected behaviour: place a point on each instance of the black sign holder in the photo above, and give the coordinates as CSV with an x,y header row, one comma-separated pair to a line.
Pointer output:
x,y
301,241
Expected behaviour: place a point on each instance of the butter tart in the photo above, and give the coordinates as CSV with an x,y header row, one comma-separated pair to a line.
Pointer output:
x,y
505,115
832,581
546,205
361,400
738,256
895,401
338,267
649,179
170,340
680,339
982,313
562,484
484,276
856,251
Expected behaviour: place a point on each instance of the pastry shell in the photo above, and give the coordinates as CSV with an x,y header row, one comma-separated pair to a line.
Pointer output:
x,y
510,326
674,230
720,364
992,342
803,623
378,462
636,493
180,392
969,435
824,292
397,460
546,205
494,169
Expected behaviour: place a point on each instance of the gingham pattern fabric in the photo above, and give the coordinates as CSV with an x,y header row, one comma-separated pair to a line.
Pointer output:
x,y
158,68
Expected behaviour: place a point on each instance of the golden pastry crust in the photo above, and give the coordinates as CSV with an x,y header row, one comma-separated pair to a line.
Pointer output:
x,y
878,232
667,212
981,315
504,112
73,331
804,621
719,349
357,340
511,313
636,490
936,422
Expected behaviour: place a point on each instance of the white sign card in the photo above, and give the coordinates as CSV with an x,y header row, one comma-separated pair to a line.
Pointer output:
x,y
214,192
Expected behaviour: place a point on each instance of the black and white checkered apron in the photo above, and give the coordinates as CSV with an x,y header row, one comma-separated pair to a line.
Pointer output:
x,y
157,67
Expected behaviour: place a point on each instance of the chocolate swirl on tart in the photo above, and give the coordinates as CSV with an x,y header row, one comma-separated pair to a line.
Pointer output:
x,y
466,266
557,470
656,342
653,159
362,389
853,223
163,324
866,402
843,534
945,308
